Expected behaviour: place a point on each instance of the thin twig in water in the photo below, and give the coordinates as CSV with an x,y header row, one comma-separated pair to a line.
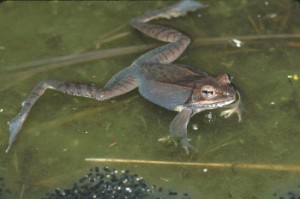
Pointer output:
x,y
16,162
115,37
22,191
108,36
81,58
223,145
294,44
252,22
246,38
144,122
30,69
270,167
100,54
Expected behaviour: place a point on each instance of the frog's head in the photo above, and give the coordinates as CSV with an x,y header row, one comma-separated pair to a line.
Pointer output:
x,y
213,92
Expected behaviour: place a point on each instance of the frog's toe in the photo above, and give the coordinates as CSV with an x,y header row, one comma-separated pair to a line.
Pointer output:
x,y
187,151
239,113
169,140
227,113
187,146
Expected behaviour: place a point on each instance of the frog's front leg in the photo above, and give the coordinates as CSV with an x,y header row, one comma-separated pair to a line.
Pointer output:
x,y
121,83
236,107
178,127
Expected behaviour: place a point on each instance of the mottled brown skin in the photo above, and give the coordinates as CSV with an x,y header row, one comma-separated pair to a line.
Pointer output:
x,y
172,86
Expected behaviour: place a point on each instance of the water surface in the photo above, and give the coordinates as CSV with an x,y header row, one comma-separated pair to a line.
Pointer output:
x,y
62,131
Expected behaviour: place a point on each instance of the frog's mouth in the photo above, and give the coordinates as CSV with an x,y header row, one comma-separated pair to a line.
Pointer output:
x,y
219,104
200,106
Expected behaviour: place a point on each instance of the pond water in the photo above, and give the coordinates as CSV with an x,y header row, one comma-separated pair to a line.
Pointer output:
x,y
62,130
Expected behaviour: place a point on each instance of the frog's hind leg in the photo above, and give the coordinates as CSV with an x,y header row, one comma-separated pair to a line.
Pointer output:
x,y
121,83
178,41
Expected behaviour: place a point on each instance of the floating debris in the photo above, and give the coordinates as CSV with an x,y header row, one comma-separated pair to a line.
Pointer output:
x,y
110,183
294,77
236,43
210,117
195,127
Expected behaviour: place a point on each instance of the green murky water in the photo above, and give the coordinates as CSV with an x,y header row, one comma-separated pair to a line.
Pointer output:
x,y
62,131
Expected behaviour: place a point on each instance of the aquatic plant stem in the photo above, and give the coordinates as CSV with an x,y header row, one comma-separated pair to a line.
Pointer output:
x,y
246,38
270,167
29,69
22,191
106,53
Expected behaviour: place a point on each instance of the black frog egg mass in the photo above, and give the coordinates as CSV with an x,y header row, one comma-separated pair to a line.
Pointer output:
x,y
108,183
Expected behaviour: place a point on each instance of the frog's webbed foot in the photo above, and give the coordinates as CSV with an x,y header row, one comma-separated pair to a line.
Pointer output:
x,y
182,7
177,40
179,9
169,140
178,128
176,10
185,144
14,127
237,107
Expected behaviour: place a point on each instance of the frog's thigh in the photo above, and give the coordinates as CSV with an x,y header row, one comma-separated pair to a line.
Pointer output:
x,y
178,126
121,83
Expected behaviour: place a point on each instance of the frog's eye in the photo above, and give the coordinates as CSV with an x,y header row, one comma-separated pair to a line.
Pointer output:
x,y
207,91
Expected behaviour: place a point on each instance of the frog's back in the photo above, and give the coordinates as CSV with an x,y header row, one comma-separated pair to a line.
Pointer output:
x,y
168,85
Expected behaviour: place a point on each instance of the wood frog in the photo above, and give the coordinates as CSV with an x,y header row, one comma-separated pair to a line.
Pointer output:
x,y
176,87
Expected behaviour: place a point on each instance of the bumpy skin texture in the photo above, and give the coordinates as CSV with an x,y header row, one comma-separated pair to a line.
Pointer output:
x,y
172,86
